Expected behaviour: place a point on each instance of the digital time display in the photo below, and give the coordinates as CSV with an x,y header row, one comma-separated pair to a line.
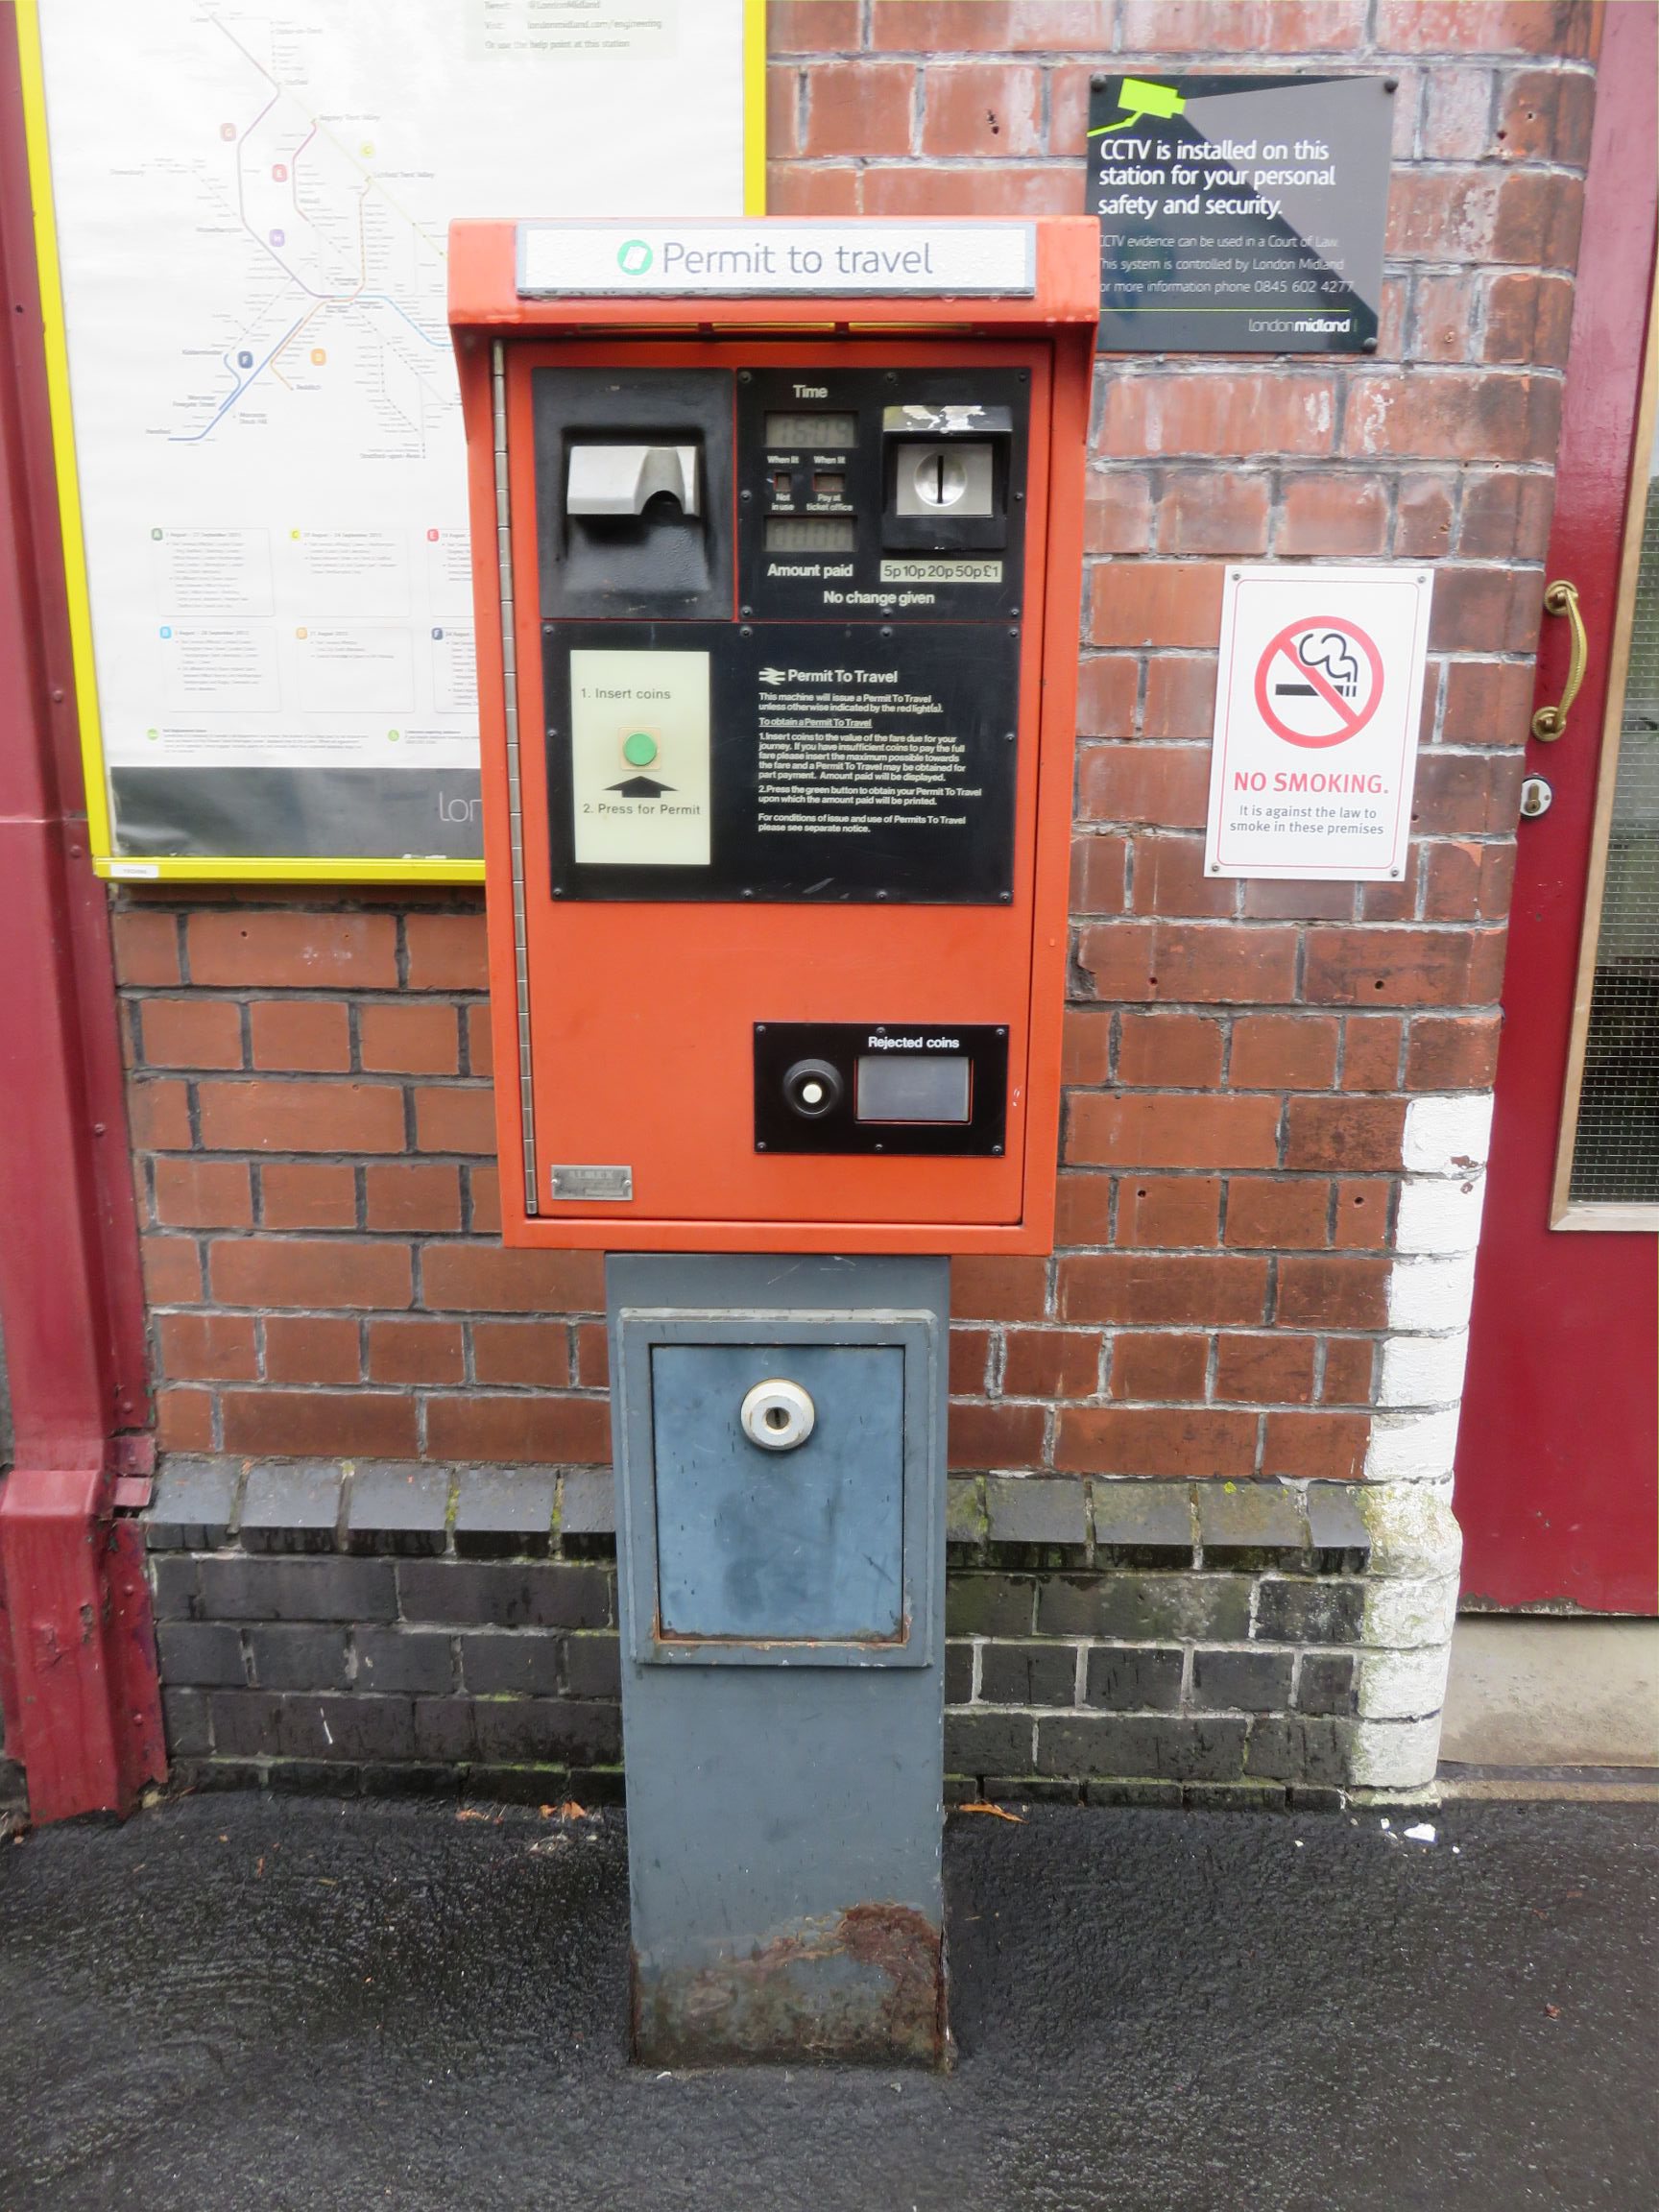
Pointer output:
x,y
827,433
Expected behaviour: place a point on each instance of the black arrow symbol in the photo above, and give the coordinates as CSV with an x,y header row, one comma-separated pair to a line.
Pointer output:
x,y
640,787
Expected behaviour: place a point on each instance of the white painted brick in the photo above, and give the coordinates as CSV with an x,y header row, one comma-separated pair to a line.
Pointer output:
x,y
1403,1685
1423,1370
1447,1136
1414,1533
1412,1447
1395,1754
1402,1614
1437,1215
1431,1293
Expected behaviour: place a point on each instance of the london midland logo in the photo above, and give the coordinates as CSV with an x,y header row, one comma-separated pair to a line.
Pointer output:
x,y
634,256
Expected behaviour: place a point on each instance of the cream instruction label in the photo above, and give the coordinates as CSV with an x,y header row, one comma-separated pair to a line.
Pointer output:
x,y
640,785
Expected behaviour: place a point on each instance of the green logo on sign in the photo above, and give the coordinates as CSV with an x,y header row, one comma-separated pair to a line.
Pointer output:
x,y
634,258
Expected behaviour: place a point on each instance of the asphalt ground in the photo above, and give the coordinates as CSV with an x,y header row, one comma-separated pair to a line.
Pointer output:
x,y
249,2001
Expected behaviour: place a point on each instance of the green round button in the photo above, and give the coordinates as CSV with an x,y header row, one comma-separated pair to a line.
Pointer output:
x,y
640,749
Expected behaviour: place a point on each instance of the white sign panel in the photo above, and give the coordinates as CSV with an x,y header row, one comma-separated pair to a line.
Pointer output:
x,y
664,259
252,205
1317,702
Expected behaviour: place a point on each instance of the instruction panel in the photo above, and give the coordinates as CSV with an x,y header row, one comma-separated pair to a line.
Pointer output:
x,y
252,203
1241,214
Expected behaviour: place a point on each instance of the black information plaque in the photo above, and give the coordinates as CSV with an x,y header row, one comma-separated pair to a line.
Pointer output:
x,y
1241,214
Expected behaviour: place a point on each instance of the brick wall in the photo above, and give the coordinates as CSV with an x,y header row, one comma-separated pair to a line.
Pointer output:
x,y
1270,1175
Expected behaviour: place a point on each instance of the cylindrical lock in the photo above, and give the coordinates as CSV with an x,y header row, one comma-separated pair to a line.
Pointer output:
x,y
778,1415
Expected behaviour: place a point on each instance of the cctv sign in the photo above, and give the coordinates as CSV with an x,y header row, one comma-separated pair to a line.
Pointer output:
x,y
1318,697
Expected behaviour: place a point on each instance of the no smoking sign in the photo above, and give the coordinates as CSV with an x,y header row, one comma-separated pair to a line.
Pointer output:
x,y
1318,697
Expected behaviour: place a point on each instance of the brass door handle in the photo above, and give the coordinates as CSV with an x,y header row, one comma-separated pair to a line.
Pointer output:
x,y
1550,722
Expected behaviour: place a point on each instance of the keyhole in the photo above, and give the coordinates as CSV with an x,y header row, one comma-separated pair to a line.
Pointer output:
x,y
776,1417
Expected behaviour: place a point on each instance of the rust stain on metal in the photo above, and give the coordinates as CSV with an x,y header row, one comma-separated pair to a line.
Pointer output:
x,y
866,1987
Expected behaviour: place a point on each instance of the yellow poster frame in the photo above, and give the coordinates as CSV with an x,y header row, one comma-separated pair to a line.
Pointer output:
x,y
208,867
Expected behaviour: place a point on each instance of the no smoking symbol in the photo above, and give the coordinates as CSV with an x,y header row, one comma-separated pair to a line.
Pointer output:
x,y
1319,681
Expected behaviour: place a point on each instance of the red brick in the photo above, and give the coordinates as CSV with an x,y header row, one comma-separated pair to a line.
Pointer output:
x,y
1160,785
1317,1292
1448,413
783,112
822,189
811,26
1099,872
1117,516
1085,1046
292,951
1211,510
1333,514
1422,519
1152,603
1505,517
420,1040
1540,212
1106,687
1068,88
1142,1289
1155,1440
1349,1361
1529,319
489,1279
1173,1129
1165,1210
332,1272
302,1348
191,1032
1004,188
571,1431
172,1270
1168,877
1254,27
378,1425
1371,1053
1389,967
1209,411
1268,1369
1179,1049
1161,1367
1083,1212
1180,697
184,1420
535,1354
480,1042
308,1195
1266,899
1328,1446
1050,1363
1457,115
455,1117
1546,115
159,1114
411,1197
981,108
192,1194
1282,1052
1457,1053
1493,610
1395,901
276,1116
592,1355
300,1033
1442,214
207,1347
146,948
1487,703
483,1186
999,1435
969,1360
858,107
1189,962
446,952
1344,1133
999,1288
419,1352
992,26
1361,1214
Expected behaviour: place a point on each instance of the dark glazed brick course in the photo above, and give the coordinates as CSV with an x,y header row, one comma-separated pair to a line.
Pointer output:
x,y
1163,1747
290,1506
1250,1681
234,1589
192,1506
989,1604
297,1658
534,1596
1028,1675
400,1510
1310,1612
1144,1607
593,1666
1132,1678
503,1513
408,1660
525,1663
206,1653
1325,1684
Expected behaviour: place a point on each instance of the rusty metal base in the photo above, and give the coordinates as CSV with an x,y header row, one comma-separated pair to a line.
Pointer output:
x,y
864,1988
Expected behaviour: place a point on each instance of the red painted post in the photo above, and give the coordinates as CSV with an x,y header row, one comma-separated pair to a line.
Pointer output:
x,y
77,1651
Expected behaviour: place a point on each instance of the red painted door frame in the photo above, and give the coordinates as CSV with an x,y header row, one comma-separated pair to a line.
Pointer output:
x,y
1557,1478
77,1651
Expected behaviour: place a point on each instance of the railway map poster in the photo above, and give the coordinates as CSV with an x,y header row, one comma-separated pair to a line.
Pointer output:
x,y
251,204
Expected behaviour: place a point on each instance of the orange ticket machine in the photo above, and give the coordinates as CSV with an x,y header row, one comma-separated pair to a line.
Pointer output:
x,y
778,535
778,551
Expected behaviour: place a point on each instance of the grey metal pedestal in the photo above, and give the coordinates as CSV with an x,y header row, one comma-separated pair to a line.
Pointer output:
x,y
782,1652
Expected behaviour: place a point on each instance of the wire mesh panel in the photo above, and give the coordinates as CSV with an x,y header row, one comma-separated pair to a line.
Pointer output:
x,y
1616,1151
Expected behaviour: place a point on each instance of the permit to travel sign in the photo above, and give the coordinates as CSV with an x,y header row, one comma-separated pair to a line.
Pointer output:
x,y
1318,697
